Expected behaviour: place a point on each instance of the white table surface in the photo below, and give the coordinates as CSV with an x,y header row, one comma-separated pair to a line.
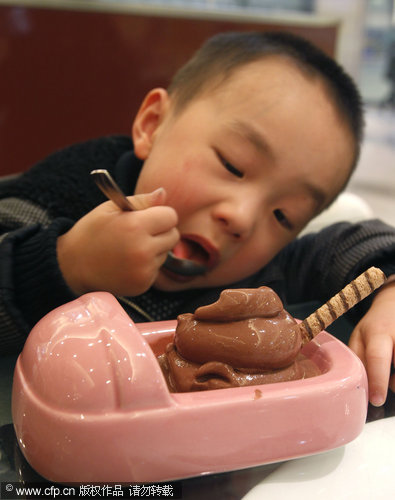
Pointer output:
x,y
361,470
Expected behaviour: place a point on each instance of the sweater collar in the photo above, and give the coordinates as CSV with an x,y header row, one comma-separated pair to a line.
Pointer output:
x,y
127,170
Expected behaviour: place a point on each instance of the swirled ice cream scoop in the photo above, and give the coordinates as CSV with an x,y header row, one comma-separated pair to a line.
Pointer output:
x,y
245,328
245,338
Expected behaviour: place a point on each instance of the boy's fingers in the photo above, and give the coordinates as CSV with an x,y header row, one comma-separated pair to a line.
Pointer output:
x,y
392,382
357,345
166,241
378,364
160,220
147,200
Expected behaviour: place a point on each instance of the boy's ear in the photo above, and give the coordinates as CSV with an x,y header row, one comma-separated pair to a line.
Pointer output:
x,y
148,118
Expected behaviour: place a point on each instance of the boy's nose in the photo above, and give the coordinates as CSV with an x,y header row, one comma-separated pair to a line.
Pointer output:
x,y
238,218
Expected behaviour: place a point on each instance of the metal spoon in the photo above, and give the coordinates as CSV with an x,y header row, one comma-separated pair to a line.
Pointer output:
x,y
113,192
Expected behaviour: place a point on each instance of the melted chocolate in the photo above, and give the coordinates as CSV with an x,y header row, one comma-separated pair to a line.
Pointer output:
x,y
185,376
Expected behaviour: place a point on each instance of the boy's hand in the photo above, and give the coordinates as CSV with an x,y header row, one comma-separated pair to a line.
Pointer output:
x,y
119,252
373,340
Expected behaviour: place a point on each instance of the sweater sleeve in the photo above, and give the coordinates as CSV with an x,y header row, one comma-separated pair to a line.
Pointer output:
x,y
317,266
31,283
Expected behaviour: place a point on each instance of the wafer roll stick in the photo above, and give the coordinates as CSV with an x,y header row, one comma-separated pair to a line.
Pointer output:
x,y
340,303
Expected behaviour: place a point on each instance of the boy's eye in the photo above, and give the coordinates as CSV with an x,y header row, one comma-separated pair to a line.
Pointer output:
x,y
233,170
282,219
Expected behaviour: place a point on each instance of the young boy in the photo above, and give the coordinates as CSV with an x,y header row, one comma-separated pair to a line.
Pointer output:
x,y
255,136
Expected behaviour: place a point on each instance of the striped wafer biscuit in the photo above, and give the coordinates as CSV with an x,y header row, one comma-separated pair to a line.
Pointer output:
x,y
340,303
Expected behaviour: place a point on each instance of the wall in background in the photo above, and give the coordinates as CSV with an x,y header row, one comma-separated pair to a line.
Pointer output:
x,y
69,75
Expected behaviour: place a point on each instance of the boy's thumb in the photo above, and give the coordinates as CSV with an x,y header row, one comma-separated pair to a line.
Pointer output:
x,y
146,200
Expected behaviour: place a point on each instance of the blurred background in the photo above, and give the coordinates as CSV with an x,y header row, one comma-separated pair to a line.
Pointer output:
x,y
76,69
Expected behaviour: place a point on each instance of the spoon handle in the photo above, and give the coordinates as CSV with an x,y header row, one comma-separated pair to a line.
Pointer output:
x,y
107,185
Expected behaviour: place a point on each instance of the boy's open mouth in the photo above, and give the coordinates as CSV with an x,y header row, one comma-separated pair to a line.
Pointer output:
x,y
197,250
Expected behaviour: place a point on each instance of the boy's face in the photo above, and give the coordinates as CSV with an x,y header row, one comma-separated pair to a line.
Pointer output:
x,y
245,166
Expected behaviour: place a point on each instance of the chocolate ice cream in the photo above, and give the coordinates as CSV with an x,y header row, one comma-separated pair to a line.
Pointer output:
x,y
245,338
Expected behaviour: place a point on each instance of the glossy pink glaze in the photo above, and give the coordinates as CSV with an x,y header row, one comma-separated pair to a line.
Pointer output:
x,y
90,404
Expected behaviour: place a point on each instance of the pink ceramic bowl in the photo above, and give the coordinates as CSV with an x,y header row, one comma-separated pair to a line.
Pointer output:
x,y
90,404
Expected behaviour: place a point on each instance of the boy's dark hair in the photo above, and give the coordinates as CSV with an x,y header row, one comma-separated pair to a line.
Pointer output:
x,y
224,53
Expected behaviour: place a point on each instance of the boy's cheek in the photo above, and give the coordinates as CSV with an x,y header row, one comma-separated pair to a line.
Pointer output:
x,y
185,194
181,200
181,194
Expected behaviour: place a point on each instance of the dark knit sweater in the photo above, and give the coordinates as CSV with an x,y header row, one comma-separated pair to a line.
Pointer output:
x,y
44,202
